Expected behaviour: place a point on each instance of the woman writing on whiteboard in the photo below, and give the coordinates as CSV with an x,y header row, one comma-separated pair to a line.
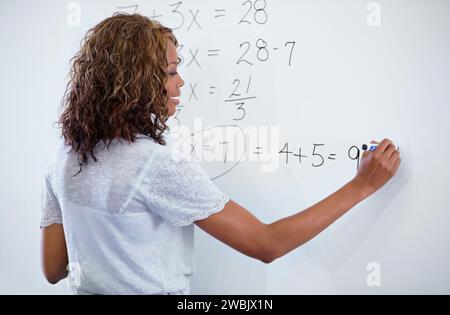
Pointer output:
x,y
119,209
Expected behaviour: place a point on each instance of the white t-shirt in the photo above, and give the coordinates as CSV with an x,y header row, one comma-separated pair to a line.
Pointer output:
x,y
128,218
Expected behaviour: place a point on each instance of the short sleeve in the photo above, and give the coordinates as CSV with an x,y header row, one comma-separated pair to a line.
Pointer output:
x,y
51,211
181,192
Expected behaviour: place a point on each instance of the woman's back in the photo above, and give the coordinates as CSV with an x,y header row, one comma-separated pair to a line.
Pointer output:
x,y
126,230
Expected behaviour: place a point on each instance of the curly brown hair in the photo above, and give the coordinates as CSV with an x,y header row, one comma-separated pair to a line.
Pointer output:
x,y
117,85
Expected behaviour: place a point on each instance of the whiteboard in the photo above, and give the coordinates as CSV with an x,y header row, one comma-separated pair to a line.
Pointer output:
x,y
323,77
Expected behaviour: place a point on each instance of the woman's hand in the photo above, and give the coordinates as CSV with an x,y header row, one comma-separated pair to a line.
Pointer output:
x,y
377,167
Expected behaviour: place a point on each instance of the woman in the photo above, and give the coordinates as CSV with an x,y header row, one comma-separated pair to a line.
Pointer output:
x,y
119,209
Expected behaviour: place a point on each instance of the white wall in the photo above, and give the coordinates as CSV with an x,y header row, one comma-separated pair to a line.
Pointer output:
x,y
348,83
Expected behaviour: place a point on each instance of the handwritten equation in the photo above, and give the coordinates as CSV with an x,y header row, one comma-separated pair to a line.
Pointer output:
x,y
180,15
232,144
239,92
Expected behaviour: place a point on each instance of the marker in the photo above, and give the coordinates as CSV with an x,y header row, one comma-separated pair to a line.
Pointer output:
x,y
372,147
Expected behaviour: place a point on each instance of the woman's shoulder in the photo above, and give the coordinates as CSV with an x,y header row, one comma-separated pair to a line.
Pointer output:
x,y
167,160
164,157
146,146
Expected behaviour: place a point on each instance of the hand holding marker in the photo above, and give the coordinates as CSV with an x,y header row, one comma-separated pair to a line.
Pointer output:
x,y
379,164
